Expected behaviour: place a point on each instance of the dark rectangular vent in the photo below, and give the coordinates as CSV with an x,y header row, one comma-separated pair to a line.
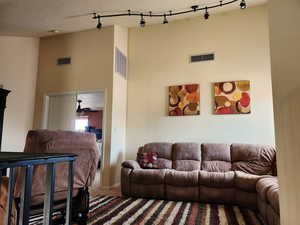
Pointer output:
x,y
120,63
64,61
201,58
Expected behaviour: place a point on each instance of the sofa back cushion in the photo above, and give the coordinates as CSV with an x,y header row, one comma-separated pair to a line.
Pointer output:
x,y
186,156
254,159
216,157
164,153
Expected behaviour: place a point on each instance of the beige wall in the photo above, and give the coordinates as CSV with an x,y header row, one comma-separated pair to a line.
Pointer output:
x,y
159,57
119,109
285,54
91,69
18,71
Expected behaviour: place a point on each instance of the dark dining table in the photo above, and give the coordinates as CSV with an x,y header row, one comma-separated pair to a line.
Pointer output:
x,y
12,160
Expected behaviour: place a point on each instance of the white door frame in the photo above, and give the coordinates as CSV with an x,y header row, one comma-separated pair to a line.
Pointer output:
x,y
46,99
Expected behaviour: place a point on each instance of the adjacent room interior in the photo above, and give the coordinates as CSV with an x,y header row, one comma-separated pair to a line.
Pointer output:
x,y
135,112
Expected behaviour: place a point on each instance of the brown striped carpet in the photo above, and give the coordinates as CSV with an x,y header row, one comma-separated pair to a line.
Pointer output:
x,y
120,210
112,210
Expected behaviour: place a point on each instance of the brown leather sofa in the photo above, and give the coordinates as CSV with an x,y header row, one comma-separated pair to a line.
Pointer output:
x,y
240,174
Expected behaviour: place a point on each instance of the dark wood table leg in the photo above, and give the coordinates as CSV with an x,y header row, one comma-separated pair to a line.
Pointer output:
x,y
26,196
50,186
70,193
10,196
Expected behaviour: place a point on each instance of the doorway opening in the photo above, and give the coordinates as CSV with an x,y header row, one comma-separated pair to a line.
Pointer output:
x,y
81,112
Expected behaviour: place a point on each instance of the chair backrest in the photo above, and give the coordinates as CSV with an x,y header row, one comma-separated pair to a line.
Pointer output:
x,y
46,141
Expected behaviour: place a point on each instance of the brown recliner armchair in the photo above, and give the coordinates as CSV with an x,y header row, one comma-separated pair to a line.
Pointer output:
x,y
82,144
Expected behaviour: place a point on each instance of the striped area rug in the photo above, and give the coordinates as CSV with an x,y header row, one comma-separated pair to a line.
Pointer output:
x,y
136,211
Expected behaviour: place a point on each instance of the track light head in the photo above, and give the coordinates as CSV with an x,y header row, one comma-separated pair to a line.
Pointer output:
x,y
165,19
142,22
206,15
243,4
99,25
195,7
95,16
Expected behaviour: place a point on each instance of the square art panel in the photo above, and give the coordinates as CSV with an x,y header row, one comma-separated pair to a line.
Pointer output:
x,y
232,97
184,100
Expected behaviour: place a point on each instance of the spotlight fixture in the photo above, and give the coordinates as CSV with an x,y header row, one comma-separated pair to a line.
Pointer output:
x,y
142,22
194,7
206,15
243,4
99,25
165,19
169,13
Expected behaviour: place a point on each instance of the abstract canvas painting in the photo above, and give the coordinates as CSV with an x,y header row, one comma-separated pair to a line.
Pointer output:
x,y
184,100
232,97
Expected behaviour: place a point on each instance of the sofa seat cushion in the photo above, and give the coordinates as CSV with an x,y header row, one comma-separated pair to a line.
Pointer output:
x,y
216,157
181,178
253,159
148,176
216,179
246,181
264,184
186,156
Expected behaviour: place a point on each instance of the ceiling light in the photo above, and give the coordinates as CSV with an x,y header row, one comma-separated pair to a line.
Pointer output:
x,y
142,22
206,15
165,19
99,25
195,7
192,9
243,4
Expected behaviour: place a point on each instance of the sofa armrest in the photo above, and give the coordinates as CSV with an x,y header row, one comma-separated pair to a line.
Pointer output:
x,y
132,164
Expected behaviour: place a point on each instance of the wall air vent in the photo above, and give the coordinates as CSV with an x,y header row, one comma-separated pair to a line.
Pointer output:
x,y
64,61
120,63
201,58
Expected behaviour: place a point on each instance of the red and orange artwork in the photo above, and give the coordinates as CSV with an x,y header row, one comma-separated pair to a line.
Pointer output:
x,y
232,97
184,100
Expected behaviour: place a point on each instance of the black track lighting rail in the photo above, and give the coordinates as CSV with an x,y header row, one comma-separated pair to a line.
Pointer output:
x,y
193,9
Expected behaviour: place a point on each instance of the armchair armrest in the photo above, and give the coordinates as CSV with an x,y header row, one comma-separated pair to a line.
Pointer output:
x,y
132,164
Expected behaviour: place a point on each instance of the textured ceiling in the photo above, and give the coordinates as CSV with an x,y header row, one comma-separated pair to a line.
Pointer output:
x,y
37,17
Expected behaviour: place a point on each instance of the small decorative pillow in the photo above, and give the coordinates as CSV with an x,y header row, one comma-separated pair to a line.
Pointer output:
x,y
147,160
